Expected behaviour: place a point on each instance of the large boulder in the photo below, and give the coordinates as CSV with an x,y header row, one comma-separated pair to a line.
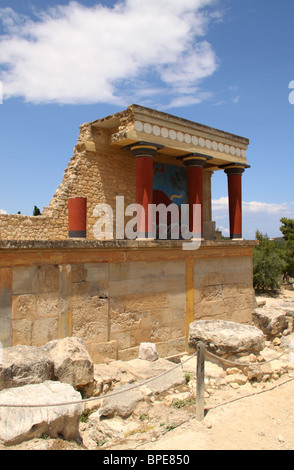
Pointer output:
x,y
21,424
224,337
272,321
64,360
24,365
72,363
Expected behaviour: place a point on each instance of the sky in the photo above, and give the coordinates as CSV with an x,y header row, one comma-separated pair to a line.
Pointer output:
x,y
228,64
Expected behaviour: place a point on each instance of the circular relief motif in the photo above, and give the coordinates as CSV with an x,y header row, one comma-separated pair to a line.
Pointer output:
x,y
139,126
201,142
188,139
221,147
233,150
238,152
164,132
214,145
180,136
147,128
243,153
172,134
227,149
208,144
156,130
195,140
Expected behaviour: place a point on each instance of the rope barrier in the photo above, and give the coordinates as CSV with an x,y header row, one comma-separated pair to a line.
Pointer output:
x,y
138,385
247,364
112,394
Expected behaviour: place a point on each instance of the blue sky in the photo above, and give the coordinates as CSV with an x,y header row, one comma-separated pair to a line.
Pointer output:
x,y
227,64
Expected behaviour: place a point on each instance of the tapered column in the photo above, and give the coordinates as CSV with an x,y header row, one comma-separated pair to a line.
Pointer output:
x,y
144,153
195,163
77,217
234,173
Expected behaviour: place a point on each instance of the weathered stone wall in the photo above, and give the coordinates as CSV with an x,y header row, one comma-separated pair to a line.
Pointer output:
x,y
115,296
21,227
223,288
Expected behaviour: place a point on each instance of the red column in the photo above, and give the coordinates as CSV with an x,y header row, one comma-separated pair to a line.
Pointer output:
x,y
77,217
235,200
195,196
143,153
195,163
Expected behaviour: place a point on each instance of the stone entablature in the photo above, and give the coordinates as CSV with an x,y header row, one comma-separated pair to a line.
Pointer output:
x,y
178,136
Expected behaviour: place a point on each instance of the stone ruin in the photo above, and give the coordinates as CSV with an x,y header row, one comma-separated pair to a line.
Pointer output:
x,y
62,371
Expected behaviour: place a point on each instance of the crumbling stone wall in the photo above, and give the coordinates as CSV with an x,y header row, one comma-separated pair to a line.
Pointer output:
x,y
22,227
95,171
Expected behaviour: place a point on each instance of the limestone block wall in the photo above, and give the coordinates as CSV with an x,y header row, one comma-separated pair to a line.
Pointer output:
x,y
114,297
223,288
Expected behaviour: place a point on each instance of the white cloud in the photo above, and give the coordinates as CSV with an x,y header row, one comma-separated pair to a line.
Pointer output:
x,y
265,208
220,204
2,211
75,54
254,206
256,215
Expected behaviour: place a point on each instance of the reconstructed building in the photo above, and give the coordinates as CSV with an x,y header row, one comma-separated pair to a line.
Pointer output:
x,y
58,278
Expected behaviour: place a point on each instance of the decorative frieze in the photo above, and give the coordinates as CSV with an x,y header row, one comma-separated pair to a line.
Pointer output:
x,y
188,138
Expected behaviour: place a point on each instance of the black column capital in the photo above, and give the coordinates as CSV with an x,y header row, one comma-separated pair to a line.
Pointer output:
x,y
143,149
194,159
234,168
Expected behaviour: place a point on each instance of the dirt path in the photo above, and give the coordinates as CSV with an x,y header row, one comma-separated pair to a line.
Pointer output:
x,y
259,422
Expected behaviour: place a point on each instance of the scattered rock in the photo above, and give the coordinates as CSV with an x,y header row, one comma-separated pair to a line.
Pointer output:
x,y
238,379
268,354
288,308
122,404
21,424
148,352
98,433
144,370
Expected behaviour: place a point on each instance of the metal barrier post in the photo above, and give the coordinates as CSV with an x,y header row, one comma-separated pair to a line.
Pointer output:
x,y
200,374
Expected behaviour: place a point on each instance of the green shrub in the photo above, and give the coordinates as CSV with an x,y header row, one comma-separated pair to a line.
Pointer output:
x,y
268,263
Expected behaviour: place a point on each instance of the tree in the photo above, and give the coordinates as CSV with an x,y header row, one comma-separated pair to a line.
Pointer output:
x,y
268,263
287,230
36,211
